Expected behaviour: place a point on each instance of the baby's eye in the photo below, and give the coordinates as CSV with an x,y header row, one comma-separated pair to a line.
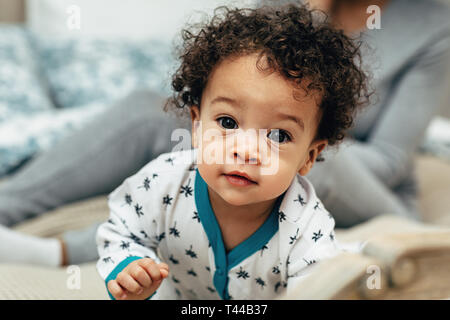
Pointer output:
x,y
227,123
278,136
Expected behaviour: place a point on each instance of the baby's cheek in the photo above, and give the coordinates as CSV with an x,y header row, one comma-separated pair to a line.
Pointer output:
x,y
275,184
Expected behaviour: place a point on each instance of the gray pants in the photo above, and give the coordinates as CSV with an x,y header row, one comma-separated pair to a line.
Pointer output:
x,y
118,143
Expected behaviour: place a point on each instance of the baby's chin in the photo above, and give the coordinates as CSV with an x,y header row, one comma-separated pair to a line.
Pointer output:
x,y
239,198
238,202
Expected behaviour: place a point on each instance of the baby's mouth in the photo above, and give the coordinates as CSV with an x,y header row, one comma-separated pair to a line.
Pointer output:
x,y
238,178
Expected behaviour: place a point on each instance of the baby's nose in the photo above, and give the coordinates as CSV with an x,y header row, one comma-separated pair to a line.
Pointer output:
x,y
246,147
246,158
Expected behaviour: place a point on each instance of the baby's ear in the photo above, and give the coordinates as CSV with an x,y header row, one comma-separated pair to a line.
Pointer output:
x,y
195,117
315,149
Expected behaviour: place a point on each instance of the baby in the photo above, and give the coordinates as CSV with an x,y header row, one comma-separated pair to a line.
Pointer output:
x,y
238,220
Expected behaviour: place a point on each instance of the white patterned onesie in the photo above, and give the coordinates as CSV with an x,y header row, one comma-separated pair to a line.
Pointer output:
x,y
163,212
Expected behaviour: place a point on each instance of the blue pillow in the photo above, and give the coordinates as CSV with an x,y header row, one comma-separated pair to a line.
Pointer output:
x,y
85,70
84,76
22,91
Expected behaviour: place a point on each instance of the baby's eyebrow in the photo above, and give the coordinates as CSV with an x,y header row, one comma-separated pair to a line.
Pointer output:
x,y
226,100
297,120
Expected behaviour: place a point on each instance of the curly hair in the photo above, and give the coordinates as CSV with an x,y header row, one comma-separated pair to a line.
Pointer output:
x,y
299,43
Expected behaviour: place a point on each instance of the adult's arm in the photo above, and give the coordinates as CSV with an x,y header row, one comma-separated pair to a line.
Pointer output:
x,y
385,158
418,96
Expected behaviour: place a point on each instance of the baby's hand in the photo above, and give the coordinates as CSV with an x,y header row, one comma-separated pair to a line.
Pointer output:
x,y
139,280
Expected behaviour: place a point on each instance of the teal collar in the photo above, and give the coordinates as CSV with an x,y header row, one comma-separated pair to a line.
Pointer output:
x,y
226,261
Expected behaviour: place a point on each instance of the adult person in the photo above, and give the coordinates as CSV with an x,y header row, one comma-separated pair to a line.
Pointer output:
x,y
372,172
409,57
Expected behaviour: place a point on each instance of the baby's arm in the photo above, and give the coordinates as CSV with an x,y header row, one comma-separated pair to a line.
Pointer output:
x,y
127,242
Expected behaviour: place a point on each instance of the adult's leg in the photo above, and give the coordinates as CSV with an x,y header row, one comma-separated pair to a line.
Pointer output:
x,y
79,246
92,161
351,193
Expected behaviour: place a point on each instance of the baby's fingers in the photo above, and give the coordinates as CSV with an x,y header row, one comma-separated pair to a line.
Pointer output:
x,y
152,269
116,290
129,283
163,269
141,276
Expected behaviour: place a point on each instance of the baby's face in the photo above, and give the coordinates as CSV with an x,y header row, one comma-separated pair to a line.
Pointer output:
x,y
250,123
